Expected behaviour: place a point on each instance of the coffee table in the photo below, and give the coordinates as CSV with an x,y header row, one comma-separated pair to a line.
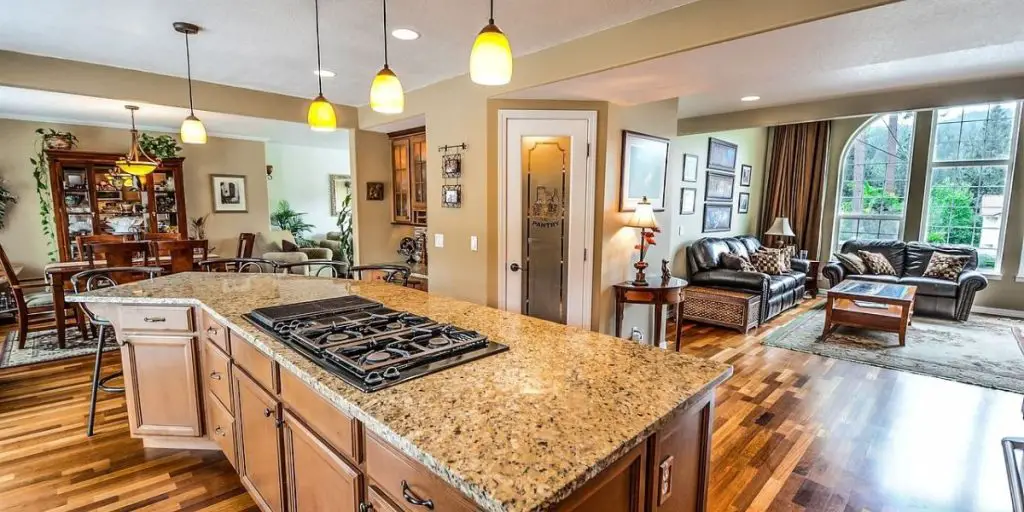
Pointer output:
x,y
844,305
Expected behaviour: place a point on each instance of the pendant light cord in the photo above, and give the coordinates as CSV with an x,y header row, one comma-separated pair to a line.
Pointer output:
x,y
385,2
491,22
319,69
188,67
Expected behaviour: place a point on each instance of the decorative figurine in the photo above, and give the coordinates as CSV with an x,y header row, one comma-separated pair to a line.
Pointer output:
x,y
665,273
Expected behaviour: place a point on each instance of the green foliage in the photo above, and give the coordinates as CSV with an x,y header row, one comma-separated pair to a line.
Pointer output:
x,y
160,146
287,219
7,198
877,200
198,225
345,225
41,173
50,133
952,216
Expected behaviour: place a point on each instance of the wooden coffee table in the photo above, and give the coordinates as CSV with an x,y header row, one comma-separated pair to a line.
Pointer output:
x,y
842,308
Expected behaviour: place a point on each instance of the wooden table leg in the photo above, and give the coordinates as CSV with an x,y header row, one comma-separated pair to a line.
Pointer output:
x,y
619,307
679,325
828,319
656,337
57,284
904,322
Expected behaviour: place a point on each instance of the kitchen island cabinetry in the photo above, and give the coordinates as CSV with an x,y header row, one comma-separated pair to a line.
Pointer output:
x,y
257,431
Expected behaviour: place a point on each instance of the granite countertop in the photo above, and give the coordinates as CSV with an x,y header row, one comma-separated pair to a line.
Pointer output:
x,y
517,431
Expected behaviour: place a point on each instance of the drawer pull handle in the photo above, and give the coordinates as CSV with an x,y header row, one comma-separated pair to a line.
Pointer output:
x,y
219,431
413,499
154,319
215,375
365,507
267,412
212,331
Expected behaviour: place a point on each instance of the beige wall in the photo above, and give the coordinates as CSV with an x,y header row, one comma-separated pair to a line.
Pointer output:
x,y
376,238
23,238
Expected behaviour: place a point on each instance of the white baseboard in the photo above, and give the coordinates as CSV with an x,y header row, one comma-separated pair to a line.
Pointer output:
x,y
1013,313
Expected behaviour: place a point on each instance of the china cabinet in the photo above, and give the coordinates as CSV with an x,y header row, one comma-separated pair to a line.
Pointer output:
x,y
409,177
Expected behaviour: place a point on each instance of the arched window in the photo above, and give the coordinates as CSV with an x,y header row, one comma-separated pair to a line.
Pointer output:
x,y
874,174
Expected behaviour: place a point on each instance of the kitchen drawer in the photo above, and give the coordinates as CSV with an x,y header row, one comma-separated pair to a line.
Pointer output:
x,y
379,502
156,318
340,431
222,428
407,481
215,332
260,367
218,381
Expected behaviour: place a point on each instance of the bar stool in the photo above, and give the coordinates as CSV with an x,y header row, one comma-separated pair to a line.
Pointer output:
x,y
254,265
96,279
395,274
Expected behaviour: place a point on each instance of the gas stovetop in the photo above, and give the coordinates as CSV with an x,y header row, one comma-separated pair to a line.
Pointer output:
x,y
368,345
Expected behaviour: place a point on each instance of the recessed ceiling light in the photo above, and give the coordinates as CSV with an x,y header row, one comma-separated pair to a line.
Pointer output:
x,y
405,34
750,98
324,73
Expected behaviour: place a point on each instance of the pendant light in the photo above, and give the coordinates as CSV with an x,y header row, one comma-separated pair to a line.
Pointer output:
x,y
490,62
386,95
321,117
192,129
136,162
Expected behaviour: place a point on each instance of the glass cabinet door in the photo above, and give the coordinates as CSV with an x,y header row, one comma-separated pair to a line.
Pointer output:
x,y
165,217
77,206
419,172
121,202
400,181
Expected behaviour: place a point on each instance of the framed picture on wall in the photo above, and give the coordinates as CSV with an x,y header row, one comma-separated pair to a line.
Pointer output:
x,y
374,191
644,166
722,155
229,194
690,165
341,187
744,204
717,217
745,172
719,186
687,201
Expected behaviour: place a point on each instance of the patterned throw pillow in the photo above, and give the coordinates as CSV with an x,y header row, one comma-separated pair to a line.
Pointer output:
x,y
946,266
782,254
851,262
736,262
877,263
769,262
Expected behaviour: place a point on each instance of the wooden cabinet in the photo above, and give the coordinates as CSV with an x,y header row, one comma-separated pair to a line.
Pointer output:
x,y
161,385
317,477
378,503
409,177
407,482
257,414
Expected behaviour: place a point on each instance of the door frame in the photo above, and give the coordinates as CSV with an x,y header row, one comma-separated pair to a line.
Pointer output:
x,y
506,115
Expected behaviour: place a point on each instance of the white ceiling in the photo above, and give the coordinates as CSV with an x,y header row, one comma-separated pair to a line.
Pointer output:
x,y
911,43
57,107
269,45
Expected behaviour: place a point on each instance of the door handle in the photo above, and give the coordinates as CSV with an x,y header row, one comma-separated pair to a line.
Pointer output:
x,y
413,499
515,267
154,319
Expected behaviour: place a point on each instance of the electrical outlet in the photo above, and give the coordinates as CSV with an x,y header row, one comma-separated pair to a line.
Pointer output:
x,y
473,243
680,231
438,240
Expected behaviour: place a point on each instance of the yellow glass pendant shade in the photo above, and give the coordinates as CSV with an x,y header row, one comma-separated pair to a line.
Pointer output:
x,y
193,131
386,95
136,168
321,116
490,62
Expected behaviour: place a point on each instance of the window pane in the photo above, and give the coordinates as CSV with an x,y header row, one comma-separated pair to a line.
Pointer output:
x,y
976,132
947,141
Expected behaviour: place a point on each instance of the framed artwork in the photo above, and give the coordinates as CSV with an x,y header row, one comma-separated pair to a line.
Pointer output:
x,y
644,166
719,186
451,165
451,196
229,194
717,217
690,164
341,187
744,204
721,155
687,201
745,172
374,191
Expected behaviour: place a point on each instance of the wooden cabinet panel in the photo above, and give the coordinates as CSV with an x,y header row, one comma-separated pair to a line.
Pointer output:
x,y
161,385
340,431
378,502
681,460
256,422
316,477
407,481
215,332
216,372
157,318
409,178
260,367
222,429
619,488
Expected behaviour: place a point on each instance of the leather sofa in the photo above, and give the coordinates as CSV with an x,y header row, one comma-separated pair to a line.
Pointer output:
x,y
935,297
778,293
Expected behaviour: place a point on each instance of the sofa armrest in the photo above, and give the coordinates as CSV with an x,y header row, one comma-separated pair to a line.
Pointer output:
x,y
968,284
316,253
288,257
735,279
800,265
834,272
972,278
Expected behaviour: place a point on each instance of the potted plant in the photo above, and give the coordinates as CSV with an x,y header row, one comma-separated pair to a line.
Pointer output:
x,y
55,139
159,146
7,198
345,225
287,219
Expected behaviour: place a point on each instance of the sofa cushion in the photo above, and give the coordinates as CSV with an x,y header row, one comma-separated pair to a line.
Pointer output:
x,y
786,282
919,254
875,279
737,247
877,263
945,266
707,252
851,263
931,286
893,250
751,242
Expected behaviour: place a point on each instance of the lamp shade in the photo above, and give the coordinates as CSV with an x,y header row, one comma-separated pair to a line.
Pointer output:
x,y
643,216
490,62
386,95
321,116
193,131
780,227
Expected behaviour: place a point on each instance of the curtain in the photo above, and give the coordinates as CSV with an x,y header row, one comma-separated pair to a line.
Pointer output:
x,y
797,160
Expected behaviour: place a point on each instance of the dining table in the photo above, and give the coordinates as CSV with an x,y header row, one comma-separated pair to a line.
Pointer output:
x,y
59,273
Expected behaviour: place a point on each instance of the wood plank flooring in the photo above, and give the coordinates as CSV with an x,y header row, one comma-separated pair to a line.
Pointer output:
x,y
792,432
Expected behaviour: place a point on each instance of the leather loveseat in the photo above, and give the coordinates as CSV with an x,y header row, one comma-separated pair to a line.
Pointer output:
x,y
778,293
935,297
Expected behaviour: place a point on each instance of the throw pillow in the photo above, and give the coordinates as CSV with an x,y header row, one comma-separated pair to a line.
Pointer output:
x,y
946,266
877,263
768,262
736,262
288,246
781,254
851,262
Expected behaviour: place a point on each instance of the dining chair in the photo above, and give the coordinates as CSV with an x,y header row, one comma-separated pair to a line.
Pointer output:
x,y
255,265
33,301
317,268
118,254
395,274
182,253
95,279
246,241
82,240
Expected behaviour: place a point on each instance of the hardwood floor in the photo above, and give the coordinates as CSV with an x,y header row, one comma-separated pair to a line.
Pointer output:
x,y
792,432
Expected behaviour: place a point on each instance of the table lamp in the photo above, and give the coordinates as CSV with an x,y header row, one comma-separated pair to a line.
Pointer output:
x,y
643,218
780,228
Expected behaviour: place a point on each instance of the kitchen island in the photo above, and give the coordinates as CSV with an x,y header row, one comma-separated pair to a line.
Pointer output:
x,y
566,419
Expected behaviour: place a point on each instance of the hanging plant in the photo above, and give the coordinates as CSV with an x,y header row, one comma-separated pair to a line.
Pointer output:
x,y
7,198
55,139
48,139
159,146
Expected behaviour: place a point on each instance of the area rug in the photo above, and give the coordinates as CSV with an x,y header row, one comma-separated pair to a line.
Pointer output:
x,y
981,351
42,346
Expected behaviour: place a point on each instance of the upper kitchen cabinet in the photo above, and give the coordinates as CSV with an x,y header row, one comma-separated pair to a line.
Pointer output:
x,y
409,177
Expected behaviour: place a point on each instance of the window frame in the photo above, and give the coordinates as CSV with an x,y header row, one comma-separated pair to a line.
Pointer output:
x,y
902,218
1010,162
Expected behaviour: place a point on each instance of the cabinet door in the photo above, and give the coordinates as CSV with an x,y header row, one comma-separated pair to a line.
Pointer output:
x,y
619,488
418,170
400,195
161,385
256,423
317,478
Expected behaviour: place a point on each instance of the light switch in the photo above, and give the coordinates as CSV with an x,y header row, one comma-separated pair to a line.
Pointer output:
x,y
438,240
680,231
473,243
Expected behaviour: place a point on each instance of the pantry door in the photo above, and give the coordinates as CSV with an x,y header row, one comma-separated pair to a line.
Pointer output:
x,y
546,213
